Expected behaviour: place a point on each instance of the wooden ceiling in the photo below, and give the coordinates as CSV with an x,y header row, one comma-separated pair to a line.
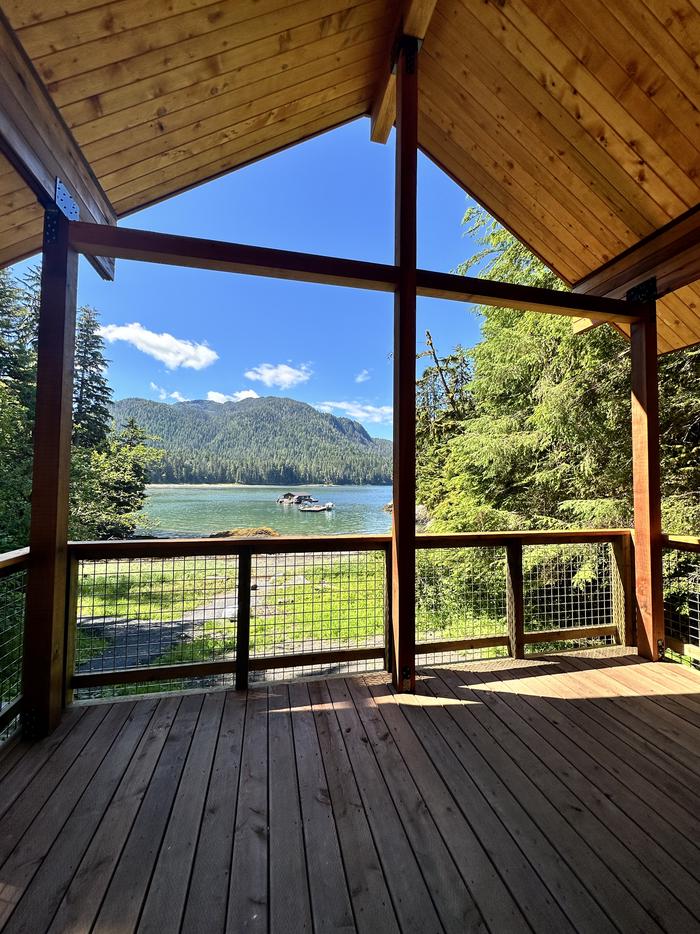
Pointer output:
x,y
575,122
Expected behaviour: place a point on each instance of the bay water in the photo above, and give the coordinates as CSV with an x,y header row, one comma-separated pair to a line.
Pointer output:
x,y
174,510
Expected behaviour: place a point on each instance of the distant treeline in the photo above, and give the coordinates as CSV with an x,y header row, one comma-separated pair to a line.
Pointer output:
x,y
266,440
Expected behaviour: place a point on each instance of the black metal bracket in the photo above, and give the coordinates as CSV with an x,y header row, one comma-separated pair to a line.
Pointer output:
x,y
646,291
51,216
411,45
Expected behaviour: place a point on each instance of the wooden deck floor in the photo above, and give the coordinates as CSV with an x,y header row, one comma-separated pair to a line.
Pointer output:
x,y
552,795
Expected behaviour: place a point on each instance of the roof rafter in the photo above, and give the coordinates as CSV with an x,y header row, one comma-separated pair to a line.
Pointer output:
x,y
38,144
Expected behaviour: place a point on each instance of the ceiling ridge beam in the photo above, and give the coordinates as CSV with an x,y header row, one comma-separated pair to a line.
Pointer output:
x,y
414,19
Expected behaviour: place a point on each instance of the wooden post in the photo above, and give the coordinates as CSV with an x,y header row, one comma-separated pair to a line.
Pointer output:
x,y
245,561
404,511
44,660
388,625
625,610
647,490
515,604
70,626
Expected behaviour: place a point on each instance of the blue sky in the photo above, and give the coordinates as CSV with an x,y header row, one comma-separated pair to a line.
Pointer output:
x,y
185,334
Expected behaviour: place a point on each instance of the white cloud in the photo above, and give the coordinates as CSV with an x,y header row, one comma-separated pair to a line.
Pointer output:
x,y
361,412
362,376
280,375
164,395
172,351
213,396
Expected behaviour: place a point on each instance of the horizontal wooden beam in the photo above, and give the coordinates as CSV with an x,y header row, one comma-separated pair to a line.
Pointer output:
x,y
568,634
459,645
173,250
682,542
12,561
683,648
526,297
544,537
196,253
38,144
671,254
413,21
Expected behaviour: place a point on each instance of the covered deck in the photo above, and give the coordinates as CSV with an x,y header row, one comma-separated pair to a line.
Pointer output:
x,y
554,794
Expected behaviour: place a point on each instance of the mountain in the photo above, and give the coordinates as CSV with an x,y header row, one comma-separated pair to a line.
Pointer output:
x,y
263,440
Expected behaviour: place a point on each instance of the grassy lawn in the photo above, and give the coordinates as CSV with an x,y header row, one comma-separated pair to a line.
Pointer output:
x,y
163,589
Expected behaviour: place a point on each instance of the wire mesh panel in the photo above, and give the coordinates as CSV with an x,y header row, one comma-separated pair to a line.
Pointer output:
x,y
460,594
12,604
317,602
143,612
568,587
682,598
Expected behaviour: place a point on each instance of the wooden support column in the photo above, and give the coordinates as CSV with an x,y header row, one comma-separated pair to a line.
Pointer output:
x,y
404,511
44,660
647,490
515,602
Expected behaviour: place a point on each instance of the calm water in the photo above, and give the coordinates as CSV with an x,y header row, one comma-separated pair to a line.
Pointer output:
x,y
204,508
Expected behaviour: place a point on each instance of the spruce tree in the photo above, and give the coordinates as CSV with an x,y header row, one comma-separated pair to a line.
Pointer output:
x,y
92,396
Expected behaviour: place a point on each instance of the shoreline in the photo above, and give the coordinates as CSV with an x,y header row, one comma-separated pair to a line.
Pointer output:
x,y
265,486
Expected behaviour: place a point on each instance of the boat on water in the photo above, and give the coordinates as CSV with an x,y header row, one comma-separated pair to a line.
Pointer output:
x,y
317,507
296,499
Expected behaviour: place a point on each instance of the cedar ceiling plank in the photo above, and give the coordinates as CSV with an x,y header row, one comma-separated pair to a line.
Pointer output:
x,y
304,113
484,151
673,56
21,13
672,254
583,200
152,100
192,177
636,116
583,95
413,19
227,109
476,182
181,43
16,252
519,160
625,199
186,143
615,159
639,66
99,20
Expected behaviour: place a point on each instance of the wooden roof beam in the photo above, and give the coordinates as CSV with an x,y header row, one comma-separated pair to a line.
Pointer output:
x,y
671,255
414,21
173,250
39,145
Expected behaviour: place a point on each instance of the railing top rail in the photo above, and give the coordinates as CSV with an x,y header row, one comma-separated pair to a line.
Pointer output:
x,y
535,537
13,560
193,547
682,542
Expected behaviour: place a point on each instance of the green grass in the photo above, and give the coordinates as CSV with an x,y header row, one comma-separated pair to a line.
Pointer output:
x,y
144,589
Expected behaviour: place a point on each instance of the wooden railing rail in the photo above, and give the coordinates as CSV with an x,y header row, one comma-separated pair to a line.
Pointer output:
x,y
246,549
11,561
682,542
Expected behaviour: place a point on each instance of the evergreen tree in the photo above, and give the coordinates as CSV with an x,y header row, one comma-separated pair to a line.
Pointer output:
x,y
92,395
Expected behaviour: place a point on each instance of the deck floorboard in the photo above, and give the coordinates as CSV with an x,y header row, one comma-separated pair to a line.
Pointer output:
x,y
554,793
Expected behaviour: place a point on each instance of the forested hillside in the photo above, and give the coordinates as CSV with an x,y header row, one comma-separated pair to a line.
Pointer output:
x,y
265,440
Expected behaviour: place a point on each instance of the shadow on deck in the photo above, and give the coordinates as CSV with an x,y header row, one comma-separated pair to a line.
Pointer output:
x,y
556,794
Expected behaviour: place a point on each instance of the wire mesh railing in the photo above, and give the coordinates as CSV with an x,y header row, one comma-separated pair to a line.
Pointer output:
x,y
165,615
146,622
13,584
461,610
572,593
681,564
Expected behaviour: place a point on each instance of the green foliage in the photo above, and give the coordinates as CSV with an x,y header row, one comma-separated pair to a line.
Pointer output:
x,y
110,465
265,440
543,437
92,395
